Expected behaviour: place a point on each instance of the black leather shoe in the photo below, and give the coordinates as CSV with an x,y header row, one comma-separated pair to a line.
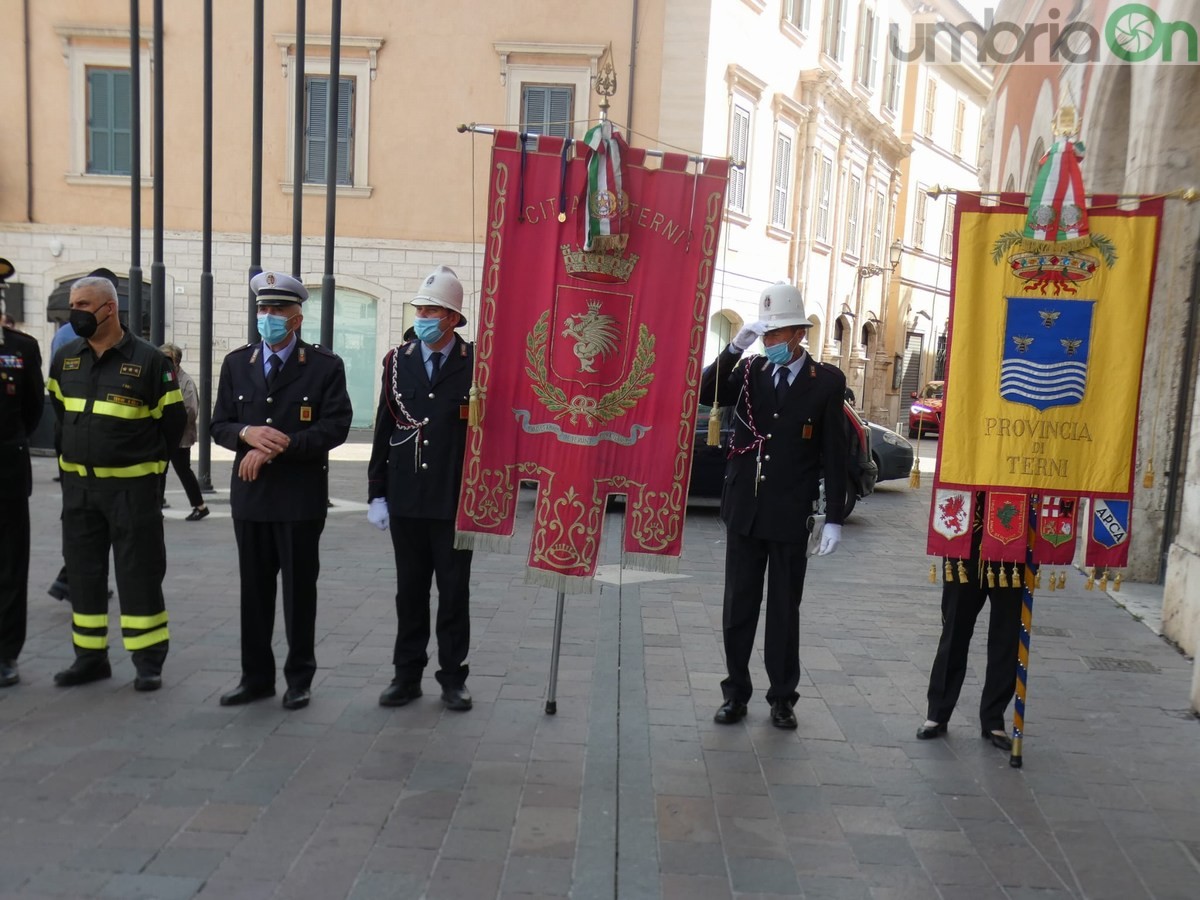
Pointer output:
x,y
456,698
929,732
197,513
8,673
149,682
296,698
247,693
82,671
730,713
782,715
999,741
400,693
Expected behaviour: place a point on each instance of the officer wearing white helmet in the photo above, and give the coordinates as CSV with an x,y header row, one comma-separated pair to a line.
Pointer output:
x,y
412,483
789,431
282,406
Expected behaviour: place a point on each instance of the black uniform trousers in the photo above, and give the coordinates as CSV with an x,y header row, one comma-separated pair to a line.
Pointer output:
x,y
127,519
14,575
424,550
961,605
746,561
290,551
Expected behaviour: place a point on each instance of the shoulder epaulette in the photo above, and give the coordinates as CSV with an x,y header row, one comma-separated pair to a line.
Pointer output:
x,y
323,350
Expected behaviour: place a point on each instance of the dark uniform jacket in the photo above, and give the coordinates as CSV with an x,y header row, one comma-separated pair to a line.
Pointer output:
x,y
804,439
308,402
418,467
21,394
119,415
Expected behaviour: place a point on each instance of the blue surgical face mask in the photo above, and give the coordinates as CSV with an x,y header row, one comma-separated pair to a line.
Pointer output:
x,y
428,330
780,354
273,329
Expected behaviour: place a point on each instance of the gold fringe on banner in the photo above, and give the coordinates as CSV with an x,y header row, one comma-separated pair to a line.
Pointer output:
x,y
652,562
564,584
484,543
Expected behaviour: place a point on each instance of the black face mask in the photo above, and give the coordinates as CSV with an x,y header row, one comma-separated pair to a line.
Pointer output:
x,y
84,322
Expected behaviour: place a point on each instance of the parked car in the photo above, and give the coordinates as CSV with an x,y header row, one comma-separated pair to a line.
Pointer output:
x,y
893,455
925,415
708,463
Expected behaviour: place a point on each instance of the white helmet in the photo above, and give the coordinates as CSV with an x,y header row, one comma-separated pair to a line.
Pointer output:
x,y
441,288
782,306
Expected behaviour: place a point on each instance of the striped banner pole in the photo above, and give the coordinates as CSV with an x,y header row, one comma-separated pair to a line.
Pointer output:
x,y
1027,586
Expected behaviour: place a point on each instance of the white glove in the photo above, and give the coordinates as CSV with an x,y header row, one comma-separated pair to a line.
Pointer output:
x,y
745,338
377,513
830,538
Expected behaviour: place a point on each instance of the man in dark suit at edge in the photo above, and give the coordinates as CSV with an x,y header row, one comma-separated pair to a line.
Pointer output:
x,y
789,430
282,406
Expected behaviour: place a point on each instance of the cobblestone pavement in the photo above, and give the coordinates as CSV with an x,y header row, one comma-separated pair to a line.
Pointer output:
x,y
630,791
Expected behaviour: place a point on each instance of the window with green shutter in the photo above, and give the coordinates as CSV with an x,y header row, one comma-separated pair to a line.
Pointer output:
x,y
316,90
547,109
108,121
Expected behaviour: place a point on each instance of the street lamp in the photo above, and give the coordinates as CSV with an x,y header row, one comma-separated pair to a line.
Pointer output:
x,y
895,251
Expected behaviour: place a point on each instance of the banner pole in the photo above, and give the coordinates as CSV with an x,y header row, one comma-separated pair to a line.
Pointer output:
x,y
552,690
1031,568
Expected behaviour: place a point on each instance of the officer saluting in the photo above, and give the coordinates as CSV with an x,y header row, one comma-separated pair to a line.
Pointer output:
x,y
21,390
282,406
790,432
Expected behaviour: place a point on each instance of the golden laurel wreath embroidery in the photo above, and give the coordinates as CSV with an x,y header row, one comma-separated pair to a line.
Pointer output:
x,y
615,403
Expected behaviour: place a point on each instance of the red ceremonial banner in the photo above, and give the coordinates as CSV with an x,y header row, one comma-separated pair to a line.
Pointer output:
x,y
1054,541
1108,533
1005,520
950,521
588,362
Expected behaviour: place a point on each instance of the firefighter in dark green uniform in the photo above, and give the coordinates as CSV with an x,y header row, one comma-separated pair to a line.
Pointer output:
x,y
119,412
21,391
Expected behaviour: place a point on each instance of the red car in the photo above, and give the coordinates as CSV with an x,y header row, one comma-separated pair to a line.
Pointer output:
x,y
925,415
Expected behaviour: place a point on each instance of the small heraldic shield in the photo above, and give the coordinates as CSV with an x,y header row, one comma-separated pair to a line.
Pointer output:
x,y
1110,522
952,513
1056,520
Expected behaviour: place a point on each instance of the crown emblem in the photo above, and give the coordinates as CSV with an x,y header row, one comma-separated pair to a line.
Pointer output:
x,y
605,265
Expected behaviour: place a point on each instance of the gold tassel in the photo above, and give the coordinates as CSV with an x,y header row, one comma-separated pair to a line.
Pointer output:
x,y
1148,477
1104,581
1053,581
1037,580
1117,584
1062,581
963,577
714,425
914,477
1003,576
933,573
473,407
1091,582
949,571
991,576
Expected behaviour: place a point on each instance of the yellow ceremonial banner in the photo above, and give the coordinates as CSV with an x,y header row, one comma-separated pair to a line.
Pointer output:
x,y
1045,353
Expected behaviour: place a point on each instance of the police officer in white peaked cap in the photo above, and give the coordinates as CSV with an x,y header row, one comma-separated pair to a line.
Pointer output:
x,y
282,406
